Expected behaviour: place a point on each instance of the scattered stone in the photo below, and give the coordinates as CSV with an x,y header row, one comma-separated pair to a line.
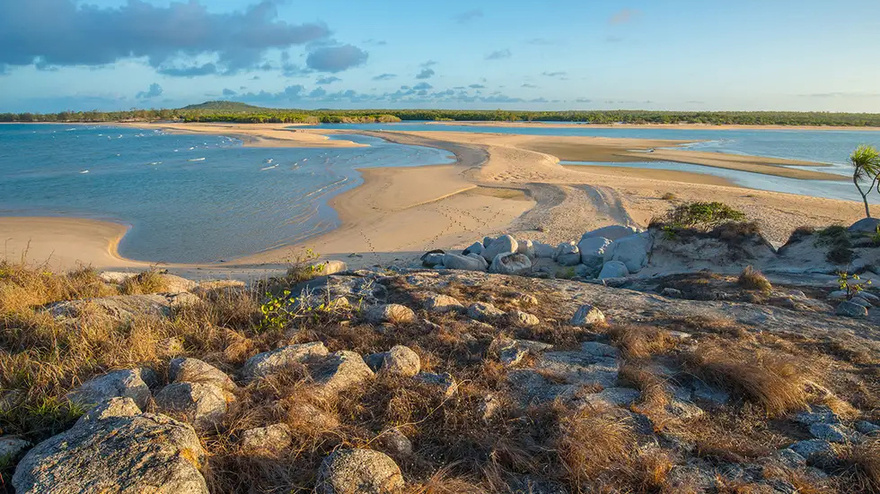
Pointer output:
x,y
433,259
811,447
134,453
834,433
512,355
865,427
271,440
612,232
526,248
484,312
445,381
340,370
510,263
203,405
613,269
328,267
475,248
579,368
544,251
390,313
489,407
357,471
870,297
671,293
597,349
196,371
567,254
504,244
395,442
683,410
709,394
527,300
401,361
521,318
130,383
632,251
848,308
587,316
466,263
592,251
375,360
614,396
817,414
11,448
837,295
860,301
269,363
790,458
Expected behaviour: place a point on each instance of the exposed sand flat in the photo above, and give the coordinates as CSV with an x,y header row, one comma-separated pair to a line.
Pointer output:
x,y
254,135
566,125
654,174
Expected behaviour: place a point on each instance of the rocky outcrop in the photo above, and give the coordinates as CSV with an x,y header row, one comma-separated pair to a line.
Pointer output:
x,y
510,263
122,451
118,308
269,363
504,244
128,383
202,405
196,371
339,370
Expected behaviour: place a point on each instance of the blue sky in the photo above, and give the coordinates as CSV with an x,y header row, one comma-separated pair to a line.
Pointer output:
x,y
651,54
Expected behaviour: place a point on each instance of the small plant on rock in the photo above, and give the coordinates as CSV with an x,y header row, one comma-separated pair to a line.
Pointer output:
x,y
852,284
303,268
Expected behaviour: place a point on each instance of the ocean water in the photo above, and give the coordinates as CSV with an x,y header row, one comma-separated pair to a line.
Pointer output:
x,y
187,198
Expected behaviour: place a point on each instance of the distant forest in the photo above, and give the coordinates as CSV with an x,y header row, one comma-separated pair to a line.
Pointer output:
x,y
227,111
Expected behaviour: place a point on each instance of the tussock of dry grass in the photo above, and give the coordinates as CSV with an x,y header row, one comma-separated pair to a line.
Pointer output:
x,y
752,279
593,441
638,342
777,381
143,283
862,466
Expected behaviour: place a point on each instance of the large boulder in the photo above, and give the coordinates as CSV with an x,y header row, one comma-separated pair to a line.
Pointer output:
x,y
865,225
500,245
127,383
567,254
613,269
196,371
359,471
465,263
612,232
269,363
475,248
632,251
511,263
592,250
116,308
526,248
543,251
202,405
125,452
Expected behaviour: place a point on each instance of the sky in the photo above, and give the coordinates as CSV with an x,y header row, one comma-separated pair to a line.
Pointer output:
x,y
802,55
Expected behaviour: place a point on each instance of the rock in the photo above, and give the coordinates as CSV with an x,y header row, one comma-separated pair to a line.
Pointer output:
x,y
401,361
433,259
176,284
117,277
511,352
359,471
837,295
632,251
567,254
395,442
117,308
817,414
710,394
592,250
614,396
578,368
811,447
438,303
612,232
196,371
375,360
203,405
521,318
338,371
683,410
865,225
125,454
487,241
272,439
848,308
489,407
587,316
475,248
865,427
512,355
790,458
11,448
269,363
484,312
328,267
390,313
613,269
510,264
129,383
526,300
671,293
860,301
502,245
870,297
444,381
597,349
834,433
526,248
466,263
543,251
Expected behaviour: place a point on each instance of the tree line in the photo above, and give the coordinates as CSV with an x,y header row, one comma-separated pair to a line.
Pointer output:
x,y
250,114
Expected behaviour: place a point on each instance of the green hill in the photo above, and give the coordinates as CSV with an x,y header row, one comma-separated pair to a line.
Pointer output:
x,y
222,106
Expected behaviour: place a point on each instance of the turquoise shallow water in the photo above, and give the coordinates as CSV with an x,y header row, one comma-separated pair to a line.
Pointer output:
x,y
187,198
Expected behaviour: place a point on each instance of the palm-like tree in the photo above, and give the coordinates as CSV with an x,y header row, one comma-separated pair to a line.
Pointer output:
x,y
866,166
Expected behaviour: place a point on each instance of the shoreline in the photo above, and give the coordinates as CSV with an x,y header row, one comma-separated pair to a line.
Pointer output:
x,y
497,184
688,126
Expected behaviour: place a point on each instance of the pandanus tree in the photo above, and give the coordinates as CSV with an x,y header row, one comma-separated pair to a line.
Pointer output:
x,y
866,168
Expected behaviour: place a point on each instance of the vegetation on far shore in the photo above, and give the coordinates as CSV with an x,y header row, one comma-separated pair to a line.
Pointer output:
x,y
230,111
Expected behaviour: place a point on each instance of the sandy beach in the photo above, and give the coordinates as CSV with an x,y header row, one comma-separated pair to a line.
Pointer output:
x,y
564,125
500,183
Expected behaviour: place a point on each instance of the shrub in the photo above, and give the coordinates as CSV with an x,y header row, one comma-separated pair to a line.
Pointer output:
x,y
669,196
752,279
839,244
146,282
703,215
591,442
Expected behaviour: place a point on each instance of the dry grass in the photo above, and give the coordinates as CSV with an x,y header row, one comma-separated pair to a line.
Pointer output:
x,y
777,381
861,465
752,279
638,342
593,442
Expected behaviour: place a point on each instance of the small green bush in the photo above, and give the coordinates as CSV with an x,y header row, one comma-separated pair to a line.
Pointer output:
x,y
704,215
839,244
